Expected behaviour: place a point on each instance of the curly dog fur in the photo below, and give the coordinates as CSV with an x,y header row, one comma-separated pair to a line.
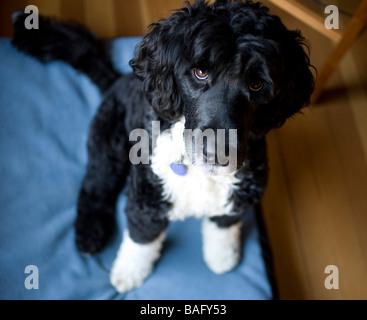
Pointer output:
x,y
227,65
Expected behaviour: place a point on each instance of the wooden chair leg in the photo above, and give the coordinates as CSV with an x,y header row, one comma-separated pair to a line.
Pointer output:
x,y
355,26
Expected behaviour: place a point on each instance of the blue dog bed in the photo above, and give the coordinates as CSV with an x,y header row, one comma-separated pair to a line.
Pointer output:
x,y
45,112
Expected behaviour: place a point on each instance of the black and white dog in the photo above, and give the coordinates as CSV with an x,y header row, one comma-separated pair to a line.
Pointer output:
x,y
229,67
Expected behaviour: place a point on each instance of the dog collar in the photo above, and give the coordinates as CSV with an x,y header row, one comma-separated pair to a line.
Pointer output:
x,y
178,168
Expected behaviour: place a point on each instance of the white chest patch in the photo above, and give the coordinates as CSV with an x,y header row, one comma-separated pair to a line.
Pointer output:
x,y
196,193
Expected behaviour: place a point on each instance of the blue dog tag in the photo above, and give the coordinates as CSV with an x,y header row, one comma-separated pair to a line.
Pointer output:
x,y
178,168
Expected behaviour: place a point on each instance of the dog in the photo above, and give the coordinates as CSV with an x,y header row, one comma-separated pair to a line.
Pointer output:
x,y
229,67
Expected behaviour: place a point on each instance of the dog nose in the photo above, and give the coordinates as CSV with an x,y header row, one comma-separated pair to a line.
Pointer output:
x,y
209,151
210,158
210,154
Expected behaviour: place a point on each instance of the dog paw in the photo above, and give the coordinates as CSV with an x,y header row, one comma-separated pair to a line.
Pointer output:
x,y
125,275
221,246
93,232
134,263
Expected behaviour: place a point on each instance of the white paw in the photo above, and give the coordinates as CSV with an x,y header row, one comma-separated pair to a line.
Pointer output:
x,y
125,276
221,246
134,263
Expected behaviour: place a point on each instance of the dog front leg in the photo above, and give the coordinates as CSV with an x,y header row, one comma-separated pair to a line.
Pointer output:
x,y
146,211
222,243
140,249
135,262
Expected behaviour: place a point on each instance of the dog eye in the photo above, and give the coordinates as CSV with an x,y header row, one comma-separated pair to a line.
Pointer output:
x,y
256,85
201,74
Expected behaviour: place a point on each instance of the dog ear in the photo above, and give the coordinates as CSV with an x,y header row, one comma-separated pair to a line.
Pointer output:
x,y
154,63
297,78
294,84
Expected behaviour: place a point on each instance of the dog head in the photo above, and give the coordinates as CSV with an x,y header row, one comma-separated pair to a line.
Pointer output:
x,y
229,66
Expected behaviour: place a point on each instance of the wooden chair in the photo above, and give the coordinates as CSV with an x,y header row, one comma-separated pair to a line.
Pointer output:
x,y
342,40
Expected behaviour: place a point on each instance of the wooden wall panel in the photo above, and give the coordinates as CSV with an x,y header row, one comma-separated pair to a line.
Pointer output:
x,y
128,20
72,10
6,10
100,17
153,10
47,7
282,228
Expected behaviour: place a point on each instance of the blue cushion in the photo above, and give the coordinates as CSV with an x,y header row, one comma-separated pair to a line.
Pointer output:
x,y
45,111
